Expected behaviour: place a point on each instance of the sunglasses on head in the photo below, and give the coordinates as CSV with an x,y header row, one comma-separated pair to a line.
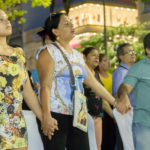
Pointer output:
x,y
52,15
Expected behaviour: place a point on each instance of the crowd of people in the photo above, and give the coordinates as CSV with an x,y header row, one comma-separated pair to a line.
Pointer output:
x,y
37,107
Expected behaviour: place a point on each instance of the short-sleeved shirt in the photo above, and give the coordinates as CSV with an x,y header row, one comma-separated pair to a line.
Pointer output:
x,y
118,77
61,90
139,78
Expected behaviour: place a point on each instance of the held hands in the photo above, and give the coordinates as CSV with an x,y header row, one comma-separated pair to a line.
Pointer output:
x,y
49,125
123,104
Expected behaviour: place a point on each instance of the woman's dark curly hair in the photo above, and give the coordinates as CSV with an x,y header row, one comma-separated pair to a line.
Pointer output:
x,y
51,22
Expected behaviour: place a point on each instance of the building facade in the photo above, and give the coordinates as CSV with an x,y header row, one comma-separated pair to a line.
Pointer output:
x,y
87,17
143,11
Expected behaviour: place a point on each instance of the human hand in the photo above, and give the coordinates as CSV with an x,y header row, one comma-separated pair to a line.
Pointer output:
x,y
123,105
51,129
49,125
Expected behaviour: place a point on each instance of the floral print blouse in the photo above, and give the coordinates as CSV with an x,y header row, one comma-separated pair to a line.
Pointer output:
x,y
13,133
61,91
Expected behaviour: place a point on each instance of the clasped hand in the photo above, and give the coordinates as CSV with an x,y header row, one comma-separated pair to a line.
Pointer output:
x,y
123,106
49,125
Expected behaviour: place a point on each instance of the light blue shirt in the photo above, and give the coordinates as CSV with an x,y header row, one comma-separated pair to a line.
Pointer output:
x,y
139,77
118,77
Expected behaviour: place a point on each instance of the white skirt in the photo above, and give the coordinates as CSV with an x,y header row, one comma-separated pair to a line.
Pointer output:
x,y
124,123
91,133
34,139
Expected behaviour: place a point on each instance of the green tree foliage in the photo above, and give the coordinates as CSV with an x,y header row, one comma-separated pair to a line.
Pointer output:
x,y
13,9
142,1
124,33
67,4
52,6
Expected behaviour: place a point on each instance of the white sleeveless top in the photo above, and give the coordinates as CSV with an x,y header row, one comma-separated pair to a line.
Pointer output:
x,y
61,90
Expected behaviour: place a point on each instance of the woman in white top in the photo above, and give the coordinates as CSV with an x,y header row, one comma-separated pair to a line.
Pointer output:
x,y
55,86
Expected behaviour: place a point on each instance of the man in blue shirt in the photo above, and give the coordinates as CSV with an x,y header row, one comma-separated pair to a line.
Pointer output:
x,y
126,56
138,78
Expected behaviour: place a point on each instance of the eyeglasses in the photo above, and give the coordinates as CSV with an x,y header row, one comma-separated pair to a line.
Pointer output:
x,y
131,52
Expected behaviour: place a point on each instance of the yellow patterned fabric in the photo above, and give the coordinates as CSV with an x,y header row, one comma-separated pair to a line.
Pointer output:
x,y
13,132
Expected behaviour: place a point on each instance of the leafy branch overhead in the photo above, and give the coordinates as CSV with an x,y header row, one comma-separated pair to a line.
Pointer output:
x,y
67,4
142,1
14,10
132,34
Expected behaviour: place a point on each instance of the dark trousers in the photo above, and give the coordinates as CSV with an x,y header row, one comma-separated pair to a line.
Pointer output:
x,y
119,144
67,135
109,133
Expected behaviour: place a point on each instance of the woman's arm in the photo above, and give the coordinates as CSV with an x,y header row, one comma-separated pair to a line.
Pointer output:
x,y
45,71
31,99
107,108
91,82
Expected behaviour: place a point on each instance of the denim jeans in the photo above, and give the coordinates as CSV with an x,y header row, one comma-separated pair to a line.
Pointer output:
x,y
141,136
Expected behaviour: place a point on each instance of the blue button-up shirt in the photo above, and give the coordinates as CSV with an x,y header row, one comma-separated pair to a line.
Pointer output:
x,y
118,77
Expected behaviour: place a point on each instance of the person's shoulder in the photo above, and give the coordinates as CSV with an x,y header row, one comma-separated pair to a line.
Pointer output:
x,y
122,68
138,64
116,70
43,49
51,46
77,53
79,56
19,53
19,50
136,69
118,73
145,60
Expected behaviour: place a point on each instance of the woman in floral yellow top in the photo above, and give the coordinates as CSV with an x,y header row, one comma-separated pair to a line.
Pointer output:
x,y
14,84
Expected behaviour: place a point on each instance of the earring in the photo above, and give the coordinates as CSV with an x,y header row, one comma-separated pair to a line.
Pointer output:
x,y
57,38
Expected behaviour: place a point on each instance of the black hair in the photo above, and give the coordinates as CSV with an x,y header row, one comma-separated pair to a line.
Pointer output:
x,y
120,50
51,22
101,56
14,45
87,50
146,42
